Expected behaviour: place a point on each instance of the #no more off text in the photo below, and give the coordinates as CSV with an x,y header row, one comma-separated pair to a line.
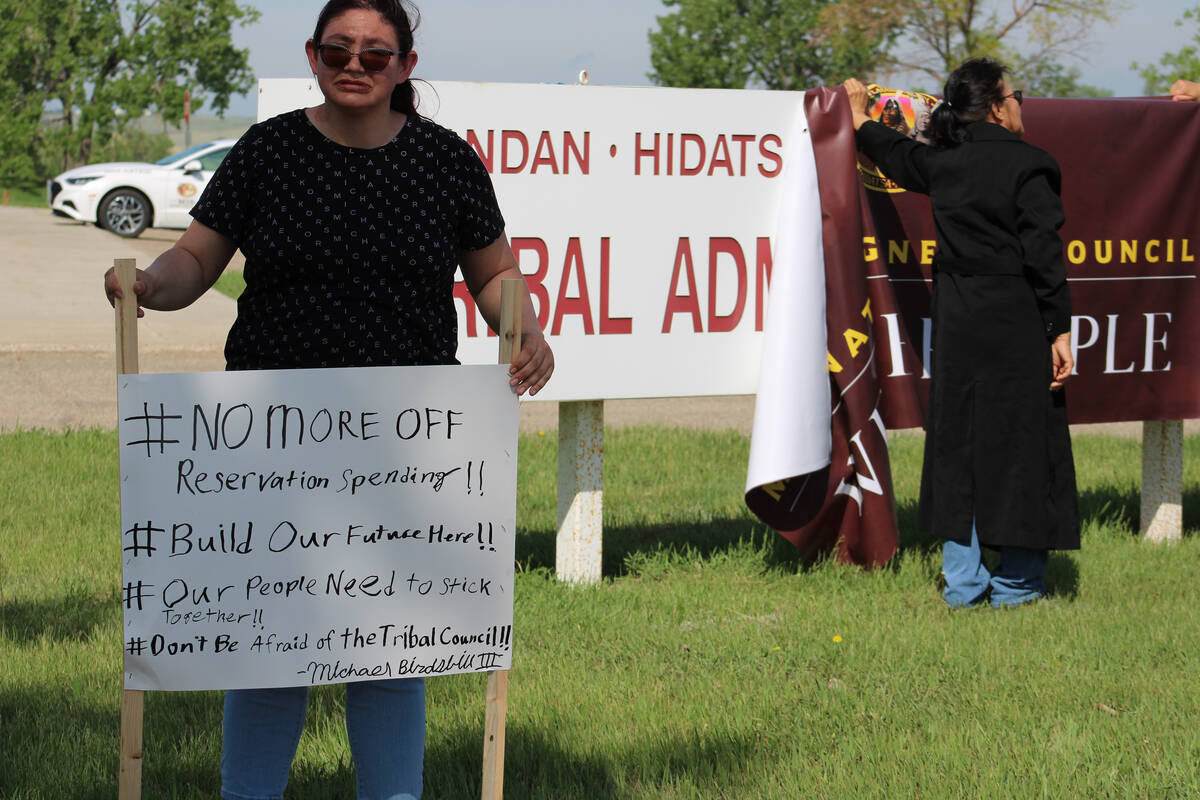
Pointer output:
x,y
232,427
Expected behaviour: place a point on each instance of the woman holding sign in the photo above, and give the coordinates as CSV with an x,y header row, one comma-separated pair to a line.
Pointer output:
x,y
353,216
998,469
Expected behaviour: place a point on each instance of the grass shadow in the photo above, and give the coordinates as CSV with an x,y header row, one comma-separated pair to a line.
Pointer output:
x,y
626,547
536,765
1122,507
31,727
182,747
1062,576
1110,505
74,616
912,537
542,766
317,781
1191,497
181,744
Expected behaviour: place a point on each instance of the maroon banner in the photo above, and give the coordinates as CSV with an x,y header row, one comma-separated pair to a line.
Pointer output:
x,y
848,507
1131,172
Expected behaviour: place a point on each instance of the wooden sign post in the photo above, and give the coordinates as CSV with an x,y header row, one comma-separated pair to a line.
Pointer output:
x,y
129,782
132,701
497,683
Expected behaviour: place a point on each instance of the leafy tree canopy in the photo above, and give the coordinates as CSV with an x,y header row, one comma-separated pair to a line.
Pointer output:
x,y
1184,63
1029,36
734,43
95,65
776,44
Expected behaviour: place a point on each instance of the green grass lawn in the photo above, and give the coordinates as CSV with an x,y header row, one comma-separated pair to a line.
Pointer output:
x,y
710,663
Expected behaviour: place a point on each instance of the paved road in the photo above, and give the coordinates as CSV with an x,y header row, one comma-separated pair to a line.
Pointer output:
x,y
57,331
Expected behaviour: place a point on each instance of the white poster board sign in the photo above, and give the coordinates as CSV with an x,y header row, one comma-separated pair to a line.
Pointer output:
x,y
645,219
299,527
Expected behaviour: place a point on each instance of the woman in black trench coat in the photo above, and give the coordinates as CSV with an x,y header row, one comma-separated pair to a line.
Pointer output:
x,y
998,470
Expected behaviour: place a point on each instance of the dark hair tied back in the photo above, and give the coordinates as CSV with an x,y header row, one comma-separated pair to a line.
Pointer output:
x,y
404,96
969,94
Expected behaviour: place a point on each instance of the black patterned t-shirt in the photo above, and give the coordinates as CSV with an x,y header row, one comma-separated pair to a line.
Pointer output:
x,y
350,252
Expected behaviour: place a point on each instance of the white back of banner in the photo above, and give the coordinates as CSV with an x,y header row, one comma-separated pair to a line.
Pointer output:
x,y
297,527
646,219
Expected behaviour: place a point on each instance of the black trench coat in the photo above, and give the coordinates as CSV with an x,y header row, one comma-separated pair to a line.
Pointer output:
x,y
997,447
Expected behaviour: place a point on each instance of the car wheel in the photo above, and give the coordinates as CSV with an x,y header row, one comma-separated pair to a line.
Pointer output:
x,y
125,212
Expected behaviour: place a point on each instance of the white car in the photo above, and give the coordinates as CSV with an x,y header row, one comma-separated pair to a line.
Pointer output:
x,y
128,197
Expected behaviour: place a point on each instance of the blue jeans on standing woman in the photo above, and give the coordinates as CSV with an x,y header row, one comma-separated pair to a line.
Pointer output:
x,y
385,722
1019,578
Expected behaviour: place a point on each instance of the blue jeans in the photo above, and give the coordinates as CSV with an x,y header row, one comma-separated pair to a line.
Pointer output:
x,y
385,722
1019,578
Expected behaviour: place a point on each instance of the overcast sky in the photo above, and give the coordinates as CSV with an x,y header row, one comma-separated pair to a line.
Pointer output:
x,y
550,41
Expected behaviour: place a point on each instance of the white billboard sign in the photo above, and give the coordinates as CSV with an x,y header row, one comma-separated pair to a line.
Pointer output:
x,y
645,219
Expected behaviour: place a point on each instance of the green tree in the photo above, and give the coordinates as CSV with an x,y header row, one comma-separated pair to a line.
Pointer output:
x,y
96,65
795,44
1184,63
1030,36
776,44
20,109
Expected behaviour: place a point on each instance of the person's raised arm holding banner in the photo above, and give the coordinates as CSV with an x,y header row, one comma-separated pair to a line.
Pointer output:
x,y
353,216
1185,90
998,468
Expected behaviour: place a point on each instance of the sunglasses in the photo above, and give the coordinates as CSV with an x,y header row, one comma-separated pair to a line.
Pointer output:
x,y
372,59
1016,95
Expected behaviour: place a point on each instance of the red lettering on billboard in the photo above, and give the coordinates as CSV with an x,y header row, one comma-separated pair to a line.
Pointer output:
x,y
582,158
544,155
723,323
742,139
770,155
514,140
718,160
640,152
762,279
580,305
697,156
514,147
683,303
609,324
695,139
